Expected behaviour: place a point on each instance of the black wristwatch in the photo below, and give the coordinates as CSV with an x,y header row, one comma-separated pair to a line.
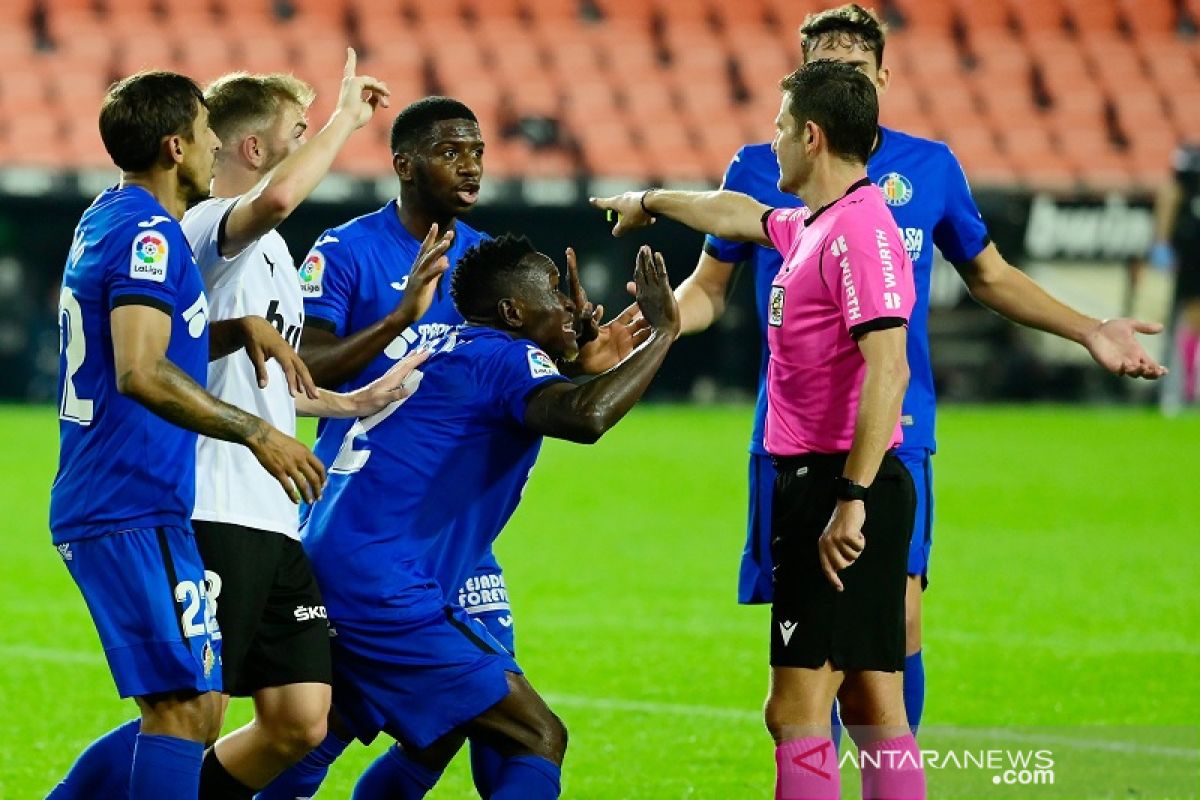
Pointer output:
x,y
848,489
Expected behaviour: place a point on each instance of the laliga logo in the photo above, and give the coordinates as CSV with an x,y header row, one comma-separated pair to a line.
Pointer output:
x,y
150,248
310,273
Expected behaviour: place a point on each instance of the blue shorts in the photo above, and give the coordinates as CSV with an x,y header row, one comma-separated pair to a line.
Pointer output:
x,y
416,678
147,592
754,581
485,597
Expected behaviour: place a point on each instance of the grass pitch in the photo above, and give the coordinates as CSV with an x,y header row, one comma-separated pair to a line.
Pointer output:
x,y
1063,611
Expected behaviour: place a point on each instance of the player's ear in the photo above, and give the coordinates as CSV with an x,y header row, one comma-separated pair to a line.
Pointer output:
x,y
509,311
173,148
883,79
252,150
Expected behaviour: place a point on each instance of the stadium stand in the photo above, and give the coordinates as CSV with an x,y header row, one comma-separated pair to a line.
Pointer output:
x,y
1054,94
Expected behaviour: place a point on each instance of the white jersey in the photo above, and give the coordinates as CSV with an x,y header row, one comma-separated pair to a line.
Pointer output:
x,y
231,486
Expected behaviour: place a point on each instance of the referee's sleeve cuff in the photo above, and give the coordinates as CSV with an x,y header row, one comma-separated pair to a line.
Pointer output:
x,y
877,324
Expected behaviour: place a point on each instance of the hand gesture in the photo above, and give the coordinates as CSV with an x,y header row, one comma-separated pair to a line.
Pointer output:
x,y
654,296
631,214
602,346
360,94
299,472
398,383
262,342
431,263
842,542
1113,344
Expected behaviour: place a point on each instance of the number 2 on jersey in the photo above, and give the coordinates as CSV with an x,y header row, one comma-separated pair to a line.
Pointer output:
x,y
70,319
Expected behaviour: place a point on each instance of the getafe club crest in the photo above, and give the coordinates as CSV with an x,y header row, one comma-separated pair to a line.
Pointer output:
x,y
897,189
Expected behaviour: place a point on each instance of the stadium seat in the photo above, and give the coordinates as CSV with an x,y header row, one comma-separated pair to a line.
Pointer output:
x,y
1150,18
35,140
927,17
1095,16
1038,18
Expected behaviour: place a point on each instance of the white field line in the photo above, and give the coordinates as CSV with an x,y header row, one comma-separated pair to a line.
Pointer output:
x,y
699,711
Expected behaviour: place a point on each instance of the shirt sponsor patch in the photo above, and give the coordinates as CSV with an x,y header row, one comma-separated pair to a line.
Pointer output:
x,y
540,364
311,272
148,258
776,306
897,189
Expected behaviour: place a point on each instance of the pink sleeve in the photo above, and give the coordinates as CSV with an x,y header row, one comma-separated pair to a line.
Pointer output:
x,y
869,273
783,226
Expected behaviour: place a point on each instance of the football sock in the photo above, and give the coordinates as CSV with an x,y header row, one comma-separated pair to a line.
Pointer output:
x,y
486,764
165,766
217,784
891,770
102,770
914,689
807,769
1189,349
528,778
303,778
395,776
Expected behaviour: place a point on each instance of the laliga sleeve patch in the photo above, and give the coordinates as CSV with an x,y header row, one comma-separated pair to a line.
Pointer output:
x,y
776,307
148,258
311,272
540,364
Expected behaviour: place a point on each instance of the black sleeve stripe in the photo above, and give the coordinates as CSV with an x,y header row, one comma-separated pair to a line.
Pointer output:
x,y
986,241
877,324
712,251
320,324
142,300
765,215
221,227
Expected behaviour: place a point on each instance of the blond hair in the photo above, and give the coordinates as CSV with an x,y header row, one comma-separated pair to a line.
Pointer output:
x,y
241,102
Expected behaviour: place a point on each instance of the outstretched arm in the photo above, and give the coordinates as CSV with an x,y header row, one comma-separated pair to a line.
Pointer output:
x,y
279,193
583,413
140,337
730,215
1010,292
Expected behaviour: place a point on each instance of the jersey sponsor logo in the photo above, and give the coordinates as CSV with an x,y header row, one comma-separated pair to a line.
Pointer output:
x,y
897,189
208,657
914,242
540,364
400,285
505,621
196,316
891,301
148,258
786,629
838,246
289,332
420,336
853,311
885,259
155,220
326,239
311,272
64,550
775,317
304,613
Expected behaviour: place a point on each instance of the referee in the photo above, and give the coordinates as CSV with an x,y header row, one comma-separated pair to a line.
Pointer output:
x,y
844,504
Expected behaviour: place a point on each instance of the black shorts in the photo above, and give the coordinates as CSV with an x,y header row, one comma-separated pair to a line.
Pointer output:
x,y
862,627
274,630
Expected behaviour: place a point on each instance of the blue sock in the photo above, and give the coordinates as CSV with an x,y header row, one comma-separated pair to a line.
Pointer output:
x,y
528,778
835,727
165,766
103,769
486,764
914,689
395,776
303,778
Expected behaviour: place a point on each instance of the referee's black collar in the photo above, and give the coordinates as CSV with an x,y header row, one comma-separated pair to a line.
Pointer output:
x,y
854,187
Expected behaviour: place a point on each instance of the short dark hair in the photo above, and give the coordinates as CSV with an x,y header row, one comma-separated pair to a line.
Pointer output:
x,y
840,100
485,274
417,118
140,110
845,25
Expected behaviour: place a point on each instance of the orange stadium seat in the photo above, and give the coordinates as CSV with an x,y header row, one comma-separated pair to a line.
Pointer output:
x,y
1088,16
926,17
984,20
35,140
1184,107
1153,18
1038,17
1001,60
1170,63
588,99
609,150
22,92
952,101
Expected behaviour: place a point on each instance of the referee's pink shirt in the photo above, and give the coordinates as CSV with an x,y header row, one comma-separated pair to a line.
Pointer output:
x,y
845,272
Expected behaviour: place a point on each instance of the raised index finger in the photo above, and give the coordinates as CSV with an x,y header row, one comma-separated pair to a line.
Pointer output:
x,y
351,63
577,294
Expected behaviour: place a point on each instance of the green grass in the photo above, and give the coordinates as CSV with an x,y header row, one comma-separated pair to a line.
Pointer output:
x,y
1064,594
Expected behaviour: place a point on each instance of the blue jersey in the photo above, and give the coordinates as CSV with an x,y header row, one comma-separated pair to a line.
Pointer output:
x,y
927,192
354,276
439,480
120,465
